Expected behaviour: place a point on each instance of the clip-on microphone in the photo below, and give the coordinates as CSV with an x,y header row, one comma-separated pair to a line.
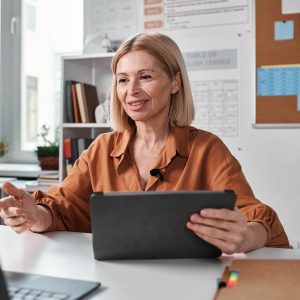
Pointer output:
x,y
156,172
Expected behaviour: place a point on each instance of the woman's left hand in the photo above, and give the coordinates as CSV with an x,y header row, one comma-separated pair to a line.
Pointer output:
x,y
226,229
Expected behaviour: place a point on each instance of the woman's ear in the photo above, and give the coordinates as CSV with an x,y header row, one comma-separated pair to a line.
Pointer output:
x,y
176,84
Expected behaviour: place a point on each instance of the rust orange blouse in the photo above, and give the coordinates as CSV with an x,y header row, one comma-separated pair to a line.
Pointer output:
x,y
192,159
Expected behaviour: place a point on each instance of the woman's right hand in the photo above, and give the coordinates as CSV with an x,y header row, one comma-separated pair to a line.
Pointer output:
x,y
19,211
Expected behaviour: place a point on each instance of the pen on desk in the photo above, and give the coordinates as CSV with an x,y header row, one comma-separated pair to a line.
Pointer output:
x,y
228,280
232,281
220,283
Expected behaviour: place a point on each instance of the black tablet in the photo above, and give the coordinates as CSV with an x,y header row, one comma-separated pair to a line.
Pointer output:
x,y
147,225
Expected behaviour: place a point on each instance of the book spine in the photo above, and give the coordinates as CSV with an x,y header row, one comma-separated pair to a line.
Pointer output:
x,y
74,150
75,104
69,102
81,102
68,154
83,143
80,145
92,100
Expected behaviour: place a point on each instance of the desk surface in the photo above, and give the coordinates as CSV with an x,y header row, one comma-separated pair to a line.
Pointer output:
x,y
69,254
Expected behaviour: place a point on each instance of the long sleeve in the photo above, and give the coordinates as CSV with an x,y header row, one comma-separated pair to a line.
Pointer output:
x,y
69,201
191,160
226,173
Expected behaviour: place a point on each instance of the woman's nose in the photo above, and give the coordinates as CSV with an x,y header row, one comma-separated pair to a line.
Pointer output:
x,y
134,87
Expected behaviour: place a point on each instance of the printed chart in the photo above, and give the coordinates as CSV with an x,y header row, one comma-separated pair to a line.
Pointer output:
x,y
217,106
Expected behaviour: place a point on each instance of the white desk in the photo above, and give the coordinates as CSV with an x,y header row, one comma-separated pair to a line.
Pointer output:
x,y
68,254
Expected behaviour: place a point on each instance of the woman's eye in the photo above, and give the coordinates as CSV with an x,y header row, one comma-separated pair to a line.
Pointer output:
x,y
122,80
145,76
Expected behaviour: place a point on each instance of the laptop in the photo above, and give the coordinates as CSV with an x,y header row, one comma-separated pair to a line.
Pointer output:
x,y
14,285
152,225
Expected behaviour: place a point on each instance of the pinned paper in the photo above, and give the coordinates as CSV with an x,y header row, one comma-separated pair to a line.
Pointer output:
x,y
290,6
279,81
284,30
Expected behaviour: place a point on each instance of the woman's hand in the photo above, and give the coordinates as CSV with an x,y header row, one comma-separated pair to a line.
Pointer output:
x,y
19,211
229,230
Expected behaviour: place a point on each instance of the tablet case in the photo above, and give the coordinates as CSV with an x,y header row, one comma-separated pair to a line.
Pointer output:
x,y
147,225
261,279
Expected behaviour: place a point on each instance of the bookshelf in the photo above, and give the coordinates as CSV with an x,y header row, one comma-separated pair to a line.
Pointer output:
x,y
90,69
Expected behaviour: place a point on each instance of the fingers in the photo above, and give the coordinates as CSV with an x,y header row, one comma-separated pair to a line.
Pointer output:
x,y
220,218
18,210
222,213
227,241
10,212
18,197
233,235
12,190
22,227
6,202
217,223
224,246
16,218
223,228
15,221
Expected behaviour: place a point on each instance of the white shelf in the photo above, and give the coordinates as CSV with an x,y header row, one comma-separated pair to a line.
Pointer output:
x,y
93,69
90,56
86,125
19,170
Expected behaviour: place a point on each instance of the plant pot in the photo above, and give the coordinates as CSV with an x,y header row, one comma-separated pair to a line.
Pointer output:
x,y
48,162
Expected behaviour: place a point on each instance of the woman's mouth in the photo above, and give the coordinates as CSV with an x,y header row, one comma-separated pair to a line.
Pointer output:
x,y
137,104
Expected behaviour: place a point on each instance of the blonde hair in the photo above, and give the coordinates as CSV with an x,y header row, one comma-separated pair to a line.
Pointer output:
x,y
166,51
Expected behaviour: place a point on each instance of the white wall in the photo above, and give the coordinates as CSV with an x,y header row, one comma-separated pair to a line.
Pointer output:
x,y
270,157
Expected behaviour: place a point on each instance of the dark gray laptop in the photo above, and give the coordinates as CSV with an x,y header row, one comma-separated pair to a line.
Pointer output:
x,y
31,286
3,288
146,225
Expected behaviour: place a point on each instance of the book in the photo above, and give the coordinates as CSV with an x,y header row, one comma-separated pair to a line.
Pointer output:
x,y
47,181
68,154
88,142
48,178
69,102
33,186
88,100
82,105
91,98
48,172
83,143
260,279
77,117
74,149
80,145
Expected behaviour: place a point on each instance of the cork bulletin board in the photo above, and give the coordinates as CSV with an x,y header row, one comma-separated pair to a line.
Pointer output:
x,y
277,65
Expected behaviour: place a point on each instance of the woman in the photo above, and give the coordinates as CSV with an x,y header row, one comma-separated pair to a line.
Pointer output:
x,y
151,112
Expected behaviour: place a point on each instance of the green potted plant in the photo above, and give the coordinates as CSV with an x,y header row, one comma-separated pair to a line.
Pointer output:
x,y
48,153
3,148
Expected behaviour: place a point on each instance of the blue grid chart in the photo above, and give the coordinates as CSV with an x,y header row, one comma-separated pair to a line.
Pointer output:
x,y
279,81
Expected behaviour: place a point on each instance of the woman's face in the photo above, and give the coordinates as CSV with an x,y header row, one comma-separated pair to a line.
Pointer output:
x,y
143,87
